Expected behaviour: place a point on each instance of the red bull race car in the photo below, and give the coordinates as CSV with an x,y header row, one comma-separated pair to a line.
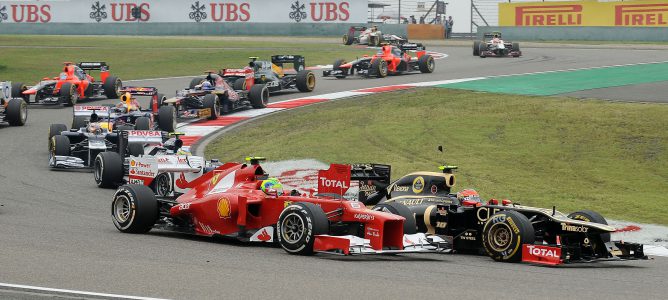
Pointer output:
x,y
240,201
71,85
390,60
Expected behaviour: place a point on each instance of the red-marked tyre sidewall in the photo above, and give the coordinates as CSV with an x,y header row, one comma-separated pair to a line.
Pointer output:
x,y
298,225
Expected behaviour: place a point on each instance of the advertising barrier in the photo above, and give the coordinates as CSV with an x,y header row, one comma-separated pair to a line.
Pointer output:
x,y
183,11
585,13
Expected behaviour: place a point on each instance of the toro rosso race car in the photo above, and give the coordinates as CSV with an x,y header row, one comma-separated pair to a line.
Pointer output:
x,y
503,230
371,36
493,45
210,96
72,84
272,74
240,201
13,111
390,60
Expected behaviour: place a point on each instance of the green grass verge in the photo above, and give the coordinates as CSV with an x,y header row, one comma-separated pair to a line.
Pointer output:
x,y
31,58
542,151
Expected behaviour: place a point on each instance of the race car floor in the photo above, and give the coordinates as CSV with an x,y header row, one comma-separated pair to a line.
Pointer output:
x,y
56,230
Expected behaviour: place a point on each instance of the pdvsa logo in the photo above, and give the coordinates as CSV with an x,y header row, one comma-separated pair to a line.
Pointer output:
x,y
641,15
548,15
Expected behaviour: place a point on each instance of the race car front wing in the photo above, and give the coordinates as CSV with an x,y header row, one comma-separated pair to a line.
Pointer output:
x,y
353,245
554,255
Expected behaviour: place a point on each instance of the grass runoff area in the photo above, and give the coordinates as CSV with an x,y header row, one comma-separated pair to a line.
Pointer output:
x,y
30,58
542,151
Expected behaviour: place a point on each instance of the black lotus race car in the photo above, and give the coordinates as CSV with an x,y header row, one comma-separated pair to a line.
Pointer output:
x,y
272,74
493,45
503,230
13,111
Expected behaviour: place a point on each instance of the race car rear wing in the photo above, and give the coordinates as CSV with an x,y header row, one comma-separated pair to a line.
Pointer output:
x,y
298,62
87,110
140,91
353,29
102,66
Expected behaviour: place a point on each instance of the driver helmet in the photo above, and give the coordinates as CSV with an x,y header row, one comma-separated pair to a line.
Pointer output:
x,y
468,194
206,85
94,127
272,183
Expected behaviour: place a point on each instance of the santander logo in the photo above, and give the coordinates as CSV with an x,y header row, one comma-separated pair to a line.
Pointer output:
x,y
542,252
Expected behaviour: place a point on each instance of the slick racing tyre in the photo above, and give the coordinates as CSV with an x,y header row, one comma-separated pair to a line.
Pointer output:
x,y
481,50
399,209
379,67
516,46
167,118
143,123
108,169
210,101
348,39
305,81
259,96
55,129
298,225
112,87
195,82
17,91
79,122
135,149
161,99
17,112
591,216
426,63
504,234
69,94
134,209
476,48
239,84
60,145
337,66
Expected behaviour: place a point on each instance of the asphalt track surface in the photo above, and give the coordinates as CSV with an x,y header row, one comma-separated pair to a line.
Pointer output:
x,y
56,229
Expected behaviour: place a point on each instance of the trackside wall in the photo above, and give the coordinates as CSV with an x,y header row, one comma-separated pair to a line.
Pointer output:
x,y
589,33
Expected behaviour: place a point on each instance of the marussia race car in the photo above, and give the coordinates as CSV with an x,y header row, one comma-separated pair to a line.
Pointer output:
x,y
168,164
373,37
234,200
210,96
13,111
272,75
390,60
71,85
493,45
128,114
503,230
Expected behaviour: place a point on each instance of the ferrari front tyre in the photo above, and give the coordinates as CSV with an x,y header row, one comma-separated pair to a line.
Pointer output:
x,y
108,169
134,209
298,225
143,123
195,82
379,66
79,122
60,145
69,94
504,234
305,81
239,84
17,112
210,101
167,118
259,96
476,48
17,91
348,39
426,64
591,216
112,87
396,208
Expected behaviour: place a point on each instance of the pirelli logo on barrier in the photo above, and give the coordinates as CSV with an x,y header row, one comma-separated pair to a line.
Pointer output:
x,y
641,13
548,15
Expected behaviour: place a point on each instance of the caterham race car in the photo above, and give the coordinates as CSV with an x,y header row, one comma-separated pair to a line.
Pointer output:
x,y
272,74
492,45
390,60
13,111
71,85
240,201
503,230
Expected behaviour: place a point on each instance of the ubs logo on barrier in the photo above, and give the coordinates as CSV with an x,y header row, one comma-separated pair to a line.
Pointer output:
x,y
321,11
98,12
29,13
641,15
3,13
548,15
220,12
297,12
197,12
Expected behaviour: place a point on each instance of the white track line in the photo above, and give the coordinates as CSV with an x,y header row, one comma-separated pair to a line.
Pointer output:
x,y
72,292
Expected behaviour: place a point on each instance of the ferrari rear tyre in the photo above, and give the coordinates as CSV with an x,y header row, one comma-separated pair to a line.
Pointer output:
x,y
426,64
108,169
348,40
210,101
591,216
167,118
504,234
112,87
69,94
476,48
17,91
410,226
143,123
239,84
305,81
195,82
79,122
298,225
17,112
134,209
379,67
60,145
259,96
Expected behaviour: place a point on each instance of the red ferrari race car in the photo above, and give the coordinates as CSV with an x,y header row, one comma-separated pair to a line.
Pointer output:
x,y
72,84
13,111
241,201
390,60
